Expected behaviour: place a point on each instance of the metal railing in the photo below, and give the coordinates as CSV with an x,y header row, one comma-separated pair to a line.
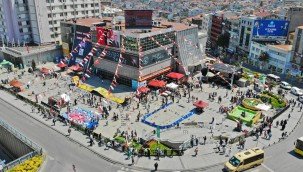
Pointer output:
x,y
37,150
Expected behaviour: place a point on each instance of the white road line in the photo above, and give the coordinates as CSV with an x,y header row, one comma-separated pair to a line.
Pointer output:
x,y
267,168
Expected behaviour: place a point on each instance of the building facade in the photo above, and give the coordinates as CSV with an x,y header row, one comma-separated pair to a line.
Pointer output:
x,y
38,21
215,31
297,49
156,60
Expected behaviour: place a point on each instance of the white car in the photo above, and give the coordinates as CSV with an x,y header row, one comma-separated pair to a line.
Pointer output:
x,y
300,98
296,91
285,85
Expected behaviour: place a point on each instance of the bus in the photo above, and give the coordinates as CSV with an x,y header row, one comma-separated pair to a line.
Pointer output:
x,y
299,146
244,160
273,77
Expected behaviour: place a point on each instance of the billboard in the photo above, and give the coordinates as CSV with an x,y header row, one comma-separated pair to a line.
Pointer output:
x,y
265,28
108,37
82,39
154,57
65,48
138,19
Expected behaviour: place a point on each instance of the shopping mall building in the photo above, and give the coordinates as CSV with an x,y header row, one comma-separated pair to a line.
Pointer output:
x,y
155,60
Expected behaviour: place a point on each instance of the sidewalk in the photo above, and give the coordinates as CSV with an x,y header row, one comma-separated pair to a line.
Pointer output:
x,y
206,155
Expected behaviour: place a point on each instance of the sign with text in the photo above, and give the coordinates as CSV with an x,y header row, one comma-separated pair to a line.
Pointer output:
x,y
138,19
264,28
154,57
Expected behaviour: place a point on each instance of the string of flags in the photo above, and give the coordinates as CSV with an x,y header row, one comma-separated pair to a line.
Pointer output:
x,y
119,65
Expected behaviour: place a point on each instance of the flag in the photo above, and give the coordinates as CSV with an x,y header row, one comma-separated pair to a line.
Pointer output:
x,y
83,78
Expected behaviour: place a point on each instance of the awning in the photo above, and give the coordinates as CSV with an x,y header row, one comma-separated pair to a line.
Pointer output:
x,y
175,75
16,83
157,83
44,70
172,85
61,65
221,67
143,89
201,104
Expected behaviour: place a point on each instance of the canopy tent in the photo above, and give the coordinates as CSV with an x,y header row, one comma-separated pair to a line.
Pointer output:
x,y
201,104
16,83
172,86
157,83
65,97
220,67
6,63
174,75
61,65
44,70
76,68
143,89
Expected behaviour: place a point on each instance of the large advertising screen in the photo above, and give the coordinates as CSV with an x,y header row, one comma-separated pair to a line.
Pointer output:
x,y
138,19
265,28
108,37
154,57
83,41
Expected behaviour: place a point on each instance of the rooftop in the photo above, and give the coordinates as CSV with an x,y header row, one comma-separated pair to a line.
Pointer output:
x,y
283,47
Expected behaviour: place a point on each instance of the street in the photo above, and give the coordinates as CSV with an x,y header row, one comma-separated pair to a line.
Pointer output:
x,y
61,153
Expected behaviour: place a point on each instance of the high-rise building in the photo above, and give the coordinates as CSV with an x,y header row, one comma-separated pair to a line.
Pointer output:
x,y
38,21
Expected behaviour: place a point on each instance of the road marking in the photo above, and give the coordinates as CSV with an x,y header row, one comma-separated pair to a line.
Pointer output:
x,y
267,168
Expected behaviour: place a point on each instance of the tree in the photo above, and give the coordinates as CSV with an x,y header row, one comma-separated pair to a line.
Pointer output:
x,y
33,65
223,40
264,58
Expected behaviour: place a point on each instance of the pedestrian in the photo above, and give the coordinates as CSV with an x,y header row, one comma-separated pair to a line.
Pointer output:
x,y
229,152
54,121
196,151
156,166
204,138
288,116
69,131
277,123
133,160
74,168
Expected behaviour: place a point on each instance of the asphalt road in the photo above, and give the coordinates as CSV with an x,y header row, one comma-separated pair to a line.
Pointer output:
x,y
61,152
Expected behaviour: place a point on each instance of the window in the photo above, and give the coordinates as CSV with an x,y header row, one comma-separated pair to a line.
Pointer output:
x,y
49,15
21,30
253,159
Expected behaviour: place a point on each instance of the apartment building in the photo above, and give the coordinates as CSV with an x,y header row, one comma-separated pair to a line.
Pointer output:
x,y
297,50
38,21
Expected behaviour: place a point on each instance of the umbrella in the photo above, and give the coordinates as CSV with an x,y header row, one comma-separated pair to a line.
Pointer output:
x,y
16,83
201,104
44,70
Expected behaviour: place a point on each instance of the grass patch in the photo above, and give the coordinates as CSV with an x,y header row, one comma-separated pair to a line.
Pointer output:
x,y
135,145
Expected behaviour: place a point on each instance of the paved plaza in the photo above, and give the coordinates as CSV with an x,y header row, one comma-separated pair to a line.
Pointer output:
x,y
128,119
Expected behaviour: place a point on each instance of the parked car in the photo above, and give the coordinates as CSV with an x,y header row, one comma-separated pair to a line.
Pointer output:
x,y
296,91
300,98
285,85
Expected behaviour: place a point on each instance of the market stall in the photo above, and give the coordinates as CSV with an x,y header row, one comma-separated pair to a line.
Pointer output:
x,y
157,83
200,105
59,101
142,91
180,78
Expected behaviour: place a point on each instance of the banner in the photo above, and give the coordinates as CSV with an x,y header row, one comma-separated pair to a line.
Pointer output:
x,y
263,28
138,19
130,60
100,31
65,48
82,40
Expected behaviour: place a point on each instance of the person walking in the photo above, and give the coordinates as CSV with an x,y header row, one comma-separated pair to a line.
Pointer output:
x,y
54,121
196,151
156,166
204,138
133,160
69,131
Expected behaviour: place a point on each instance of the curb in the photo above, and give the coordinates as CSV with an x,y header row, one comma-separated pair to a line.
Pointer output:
x,y
109,159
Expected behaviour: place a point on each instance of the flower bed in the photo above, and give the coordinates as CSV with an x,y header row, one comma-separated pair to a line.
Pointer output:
x,y
31,165
273,99
153,145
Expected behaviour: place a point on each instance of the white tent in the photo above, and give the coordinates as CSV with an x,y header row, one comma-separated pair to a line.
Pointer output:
x,y
65,97
172,86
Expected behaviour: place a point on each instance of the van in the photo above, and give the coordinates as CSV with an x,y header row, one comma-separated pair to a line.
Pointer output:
x,y
296,91
244,160
273,77
285,85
